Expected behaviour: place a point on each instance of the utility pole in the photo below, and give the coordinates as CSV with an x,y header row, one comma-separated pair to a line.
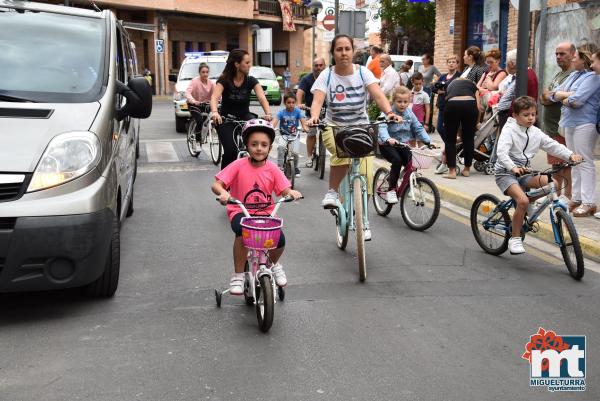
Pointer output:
x,y
522,47
336,5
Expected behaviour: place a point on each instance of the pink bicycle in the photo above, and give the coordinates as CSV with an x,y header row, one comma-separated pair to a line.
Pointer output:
x,y
259,235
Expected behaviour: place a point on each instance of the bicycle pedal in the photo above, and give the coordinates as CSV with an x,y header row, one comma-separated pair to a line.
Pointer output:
x,y
535,227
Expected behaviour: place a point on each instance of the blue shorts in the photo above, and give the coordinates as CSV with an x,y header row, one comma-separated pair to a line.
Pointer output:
x,y
236,227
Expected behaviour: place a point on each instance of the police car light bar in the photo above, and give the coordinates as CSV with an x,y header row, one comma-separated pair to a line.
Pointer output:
x,y
202,54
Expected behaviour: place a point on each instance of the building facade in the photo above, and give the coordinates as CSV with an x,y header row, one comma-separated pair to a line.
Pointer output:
x,y
204,25
484,23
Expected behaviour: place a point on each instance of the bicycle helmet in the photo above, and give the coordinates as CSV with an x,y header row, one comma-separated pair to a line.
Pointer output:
x,y
356,141
257,124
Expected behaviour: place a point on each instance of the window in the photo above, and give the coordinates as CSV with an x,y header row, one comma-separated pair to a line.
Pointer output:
x,y
201,47
189,47
174,54
487,25
214,46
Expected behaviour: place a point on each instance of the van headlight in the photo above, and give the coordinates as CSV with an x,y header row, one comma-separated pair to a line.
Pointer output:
x,y
179,96
67,157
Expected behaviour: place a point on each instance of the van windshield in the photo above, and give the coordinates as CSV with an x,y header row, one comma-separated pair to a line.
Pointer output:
x,y
189,71
51,58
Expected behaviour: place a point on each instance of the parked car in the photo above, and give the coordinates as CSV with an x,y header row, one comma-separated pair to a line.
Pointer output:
x,y
269,82
189,70
69,104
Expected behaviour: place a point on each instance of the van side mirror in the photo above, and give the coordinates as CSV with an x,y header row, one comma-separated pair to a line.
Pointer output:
x,y
139,99
173,78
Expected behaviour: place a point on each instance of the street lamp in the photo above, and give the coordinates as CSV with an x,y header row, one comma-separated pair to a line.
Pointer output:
x,y
399,31
254,28
315,8
405,40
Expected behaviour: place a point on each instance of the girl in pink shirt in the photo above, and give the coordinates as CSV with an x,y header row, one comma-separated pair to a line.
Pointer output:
x,y
201,88
253,180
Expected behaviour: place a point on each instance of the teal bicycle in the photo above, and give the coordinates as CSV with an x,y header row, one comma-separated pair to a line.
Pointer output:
x,y
351,213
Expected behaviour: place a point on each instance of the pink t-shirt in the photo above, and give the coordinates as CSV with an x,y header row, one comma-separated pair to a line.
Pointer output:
x,y
252,185
418,102
197,91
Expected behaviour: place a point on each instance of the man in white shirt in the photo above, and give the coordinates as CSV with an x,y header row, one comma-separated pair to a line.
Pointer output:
x,y
389,78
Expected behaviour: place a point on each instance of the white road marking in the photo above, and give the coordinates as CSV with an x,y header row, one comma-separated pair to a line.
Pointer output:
x,y
161,152
163,140
173,169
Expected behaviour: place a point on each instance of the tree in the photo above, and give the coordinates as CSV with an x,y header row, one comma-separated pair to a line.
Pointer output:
x,y
417,20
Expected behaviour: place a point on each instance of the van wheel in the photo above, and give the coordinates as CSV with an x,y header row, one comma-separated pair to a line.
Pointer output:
x,y
106,285
130,207
180,123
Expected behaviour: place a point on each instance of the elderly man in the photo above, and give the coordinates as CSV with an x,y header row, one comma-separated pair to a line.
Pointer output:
x,y
389,78
505,103
565,52
305,98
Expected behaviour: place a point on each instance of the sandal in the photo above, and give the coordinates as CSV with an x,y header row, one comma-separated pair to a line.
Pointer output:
x,y
573,205
450,176
584,210
465,173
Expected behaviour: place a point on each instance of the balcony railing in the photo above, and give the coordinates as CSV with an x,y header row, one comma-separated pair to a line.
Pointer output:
x,y
272,7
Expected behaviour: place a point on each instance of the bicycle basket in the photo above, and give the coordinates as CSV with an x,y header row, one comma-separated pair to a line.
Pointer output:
x,y
261,233
422,158
357,141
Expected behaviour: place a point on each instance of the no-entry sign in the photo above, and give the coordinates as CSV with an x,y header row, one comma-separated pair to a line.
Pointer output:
x,y
329,22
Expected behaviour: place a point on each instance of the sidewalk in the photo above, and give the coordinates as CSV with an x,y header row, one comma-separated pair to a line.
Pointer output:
x,y
463,191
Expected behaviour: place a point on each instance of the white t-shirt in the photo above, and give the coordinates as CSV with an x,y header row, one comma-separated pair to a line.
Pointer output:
x,y
345,95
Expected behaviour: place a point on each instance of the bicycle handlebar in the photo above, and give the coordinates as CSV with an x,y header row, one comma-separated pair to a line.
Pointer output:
x,y
242,205
550,171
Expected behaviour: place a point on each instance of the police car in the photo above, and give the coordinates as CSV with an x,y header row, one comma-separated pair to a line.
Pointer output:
x,y
189,69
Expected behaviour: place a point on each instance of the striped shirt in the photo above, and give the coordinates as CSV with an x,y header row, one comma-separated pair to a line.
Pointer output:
x,y
345,95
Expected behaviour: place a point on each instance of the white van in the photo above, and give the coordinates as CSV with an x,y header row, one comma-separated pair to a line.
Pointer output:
x,y
69,108
189,70
398,60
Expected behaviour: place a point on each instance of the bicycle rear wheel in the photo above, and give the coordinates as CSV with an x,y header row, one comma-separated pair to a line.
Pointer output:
x,y
380,187
216,149
420,214
494,239
191,139
322,155
360,234
265,303
569,244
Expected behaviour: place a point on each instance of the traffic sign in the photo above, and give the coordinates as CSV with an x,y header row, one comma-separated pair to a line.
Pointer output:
x,y
329,22
159,45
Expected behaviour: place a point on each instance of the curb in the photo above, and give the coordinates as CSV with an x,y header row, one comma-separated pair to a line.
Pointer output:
x,y
590,248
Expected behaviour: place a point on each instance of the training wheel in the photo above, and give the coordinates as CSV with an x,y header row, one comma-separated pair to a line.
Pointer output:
x,y
218,297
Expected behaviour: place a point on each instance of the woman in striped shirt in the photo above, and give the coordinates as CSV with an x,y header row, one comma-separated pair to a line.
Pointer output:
x,y
345,87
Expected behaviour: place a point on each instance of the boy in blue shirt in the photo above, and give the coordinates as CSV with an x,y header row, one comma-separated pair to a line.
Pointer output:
x,y
288,120
404,132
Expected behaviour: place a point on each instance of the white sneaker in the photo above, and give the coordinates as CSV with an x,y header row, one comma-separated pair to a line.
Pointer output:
x,y
391,197
279,274
442,169
236,285
597,215
367,234
515,246
330,199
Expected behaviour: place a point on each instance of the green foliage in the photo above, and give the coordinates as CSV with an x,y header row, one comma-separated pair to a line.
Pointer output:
x,y
373,111
418,21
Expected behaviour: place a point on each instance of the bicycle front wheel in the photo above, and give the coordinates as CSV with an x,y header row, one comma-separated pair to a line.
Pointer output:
x,y
191,139
216,149
380,188
265,303
360,234
494,235
322,155
289,169
420,214
569,244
